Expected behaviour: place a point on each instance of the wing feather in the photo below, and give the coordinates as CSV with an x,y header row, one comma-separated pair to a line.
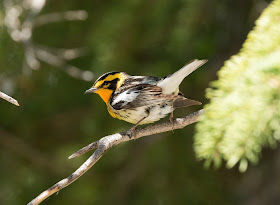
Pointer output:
x,y
138,96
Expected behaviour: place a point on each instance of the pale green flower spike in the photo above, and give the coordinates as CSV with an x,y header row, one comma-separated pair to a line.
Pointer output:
x,y
244,111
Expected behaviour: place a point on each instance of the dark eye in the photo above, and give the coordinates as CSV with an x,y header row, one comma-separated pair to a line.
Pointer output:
x,y
106,83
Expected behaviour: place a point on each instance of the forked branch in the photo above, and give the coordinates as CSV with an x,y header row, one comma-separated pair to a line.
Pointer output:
x,y
109,141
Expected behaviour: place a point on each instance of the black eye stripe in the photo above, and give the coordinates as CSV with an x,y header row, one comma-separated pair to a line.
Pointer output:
x,y
106,82
113,84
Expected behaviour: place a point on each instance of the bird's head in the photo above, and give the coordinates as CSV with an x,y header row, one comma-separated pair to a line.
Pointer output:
x,y
106,84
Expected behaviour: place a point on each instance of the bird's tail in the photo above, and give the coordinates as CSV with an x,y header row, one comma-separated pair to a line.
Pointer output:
x,y
185,102
171,83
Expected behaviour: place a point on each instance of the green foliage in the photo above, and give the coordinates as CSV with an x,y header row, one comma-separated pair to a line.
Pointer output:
x,y
244,111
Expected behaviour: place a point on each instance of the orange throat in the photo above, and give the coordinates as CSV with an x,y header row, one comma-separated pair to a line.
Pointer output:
x,y
105,94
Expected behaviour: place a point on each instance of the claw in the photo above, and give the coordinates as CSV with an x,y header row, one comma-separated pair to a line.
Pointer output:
x,y
131,133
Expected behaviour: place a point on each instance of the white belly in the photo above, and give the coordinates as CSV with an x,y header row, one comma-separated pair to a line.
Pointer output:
x,y
152,113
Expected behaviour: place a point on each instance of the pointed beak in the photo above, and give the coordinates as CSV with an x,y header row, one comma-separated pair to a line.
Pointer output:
x,y
91,90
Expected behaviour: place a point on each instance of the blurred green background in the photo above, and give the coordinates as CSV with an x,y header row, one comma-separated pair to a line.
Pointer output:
x,y
55,119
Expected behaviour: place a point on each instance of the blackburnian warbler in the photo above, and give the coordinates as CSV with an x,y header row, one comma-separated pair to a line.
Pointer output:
x,y
143,99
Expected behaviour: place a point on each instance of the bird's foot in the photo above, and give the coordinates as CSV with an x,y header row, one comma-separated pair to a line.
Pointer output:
x,y
131,133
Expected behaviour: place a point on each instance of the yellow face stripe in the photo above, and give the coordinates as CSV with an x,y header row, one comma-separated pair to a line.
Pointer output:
x,y
122,77
110,78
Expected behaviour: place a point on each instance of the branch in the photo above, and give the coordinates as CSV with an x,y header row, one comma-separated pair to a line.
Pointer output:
x,y
8,98
109,141
20,28
47,56
79,15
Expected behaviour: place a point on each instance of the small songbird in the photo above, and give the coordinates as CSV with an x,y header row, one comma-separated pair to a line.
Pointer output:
x,y
143,99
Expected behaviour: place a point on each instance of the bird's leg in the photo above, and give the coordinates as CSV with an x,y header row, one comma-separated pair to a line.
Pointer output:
x,y
135,125
171,119
171,114
131,131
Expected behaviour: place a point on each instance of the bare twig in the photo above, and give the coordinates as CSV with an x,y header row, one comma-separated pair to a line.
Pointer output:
x,y
8,98
52,59
79,15
21,27
109,141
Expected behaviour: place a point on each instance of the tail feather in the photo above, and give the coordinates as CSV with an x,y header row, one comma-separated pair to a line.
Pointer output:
x,y
171,83
185,102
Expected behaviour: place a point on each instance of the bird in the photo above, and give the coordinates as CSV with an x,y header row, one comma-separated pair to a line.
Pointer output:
x,y
144,99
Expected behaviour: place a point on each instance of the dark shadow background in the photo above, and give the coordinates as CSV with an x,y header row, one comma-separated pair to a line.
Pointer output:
x,y
55,119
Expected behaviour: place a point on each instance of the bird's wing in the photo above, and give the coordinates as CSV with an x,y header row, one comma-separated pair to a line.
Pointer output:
x,y
140,95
